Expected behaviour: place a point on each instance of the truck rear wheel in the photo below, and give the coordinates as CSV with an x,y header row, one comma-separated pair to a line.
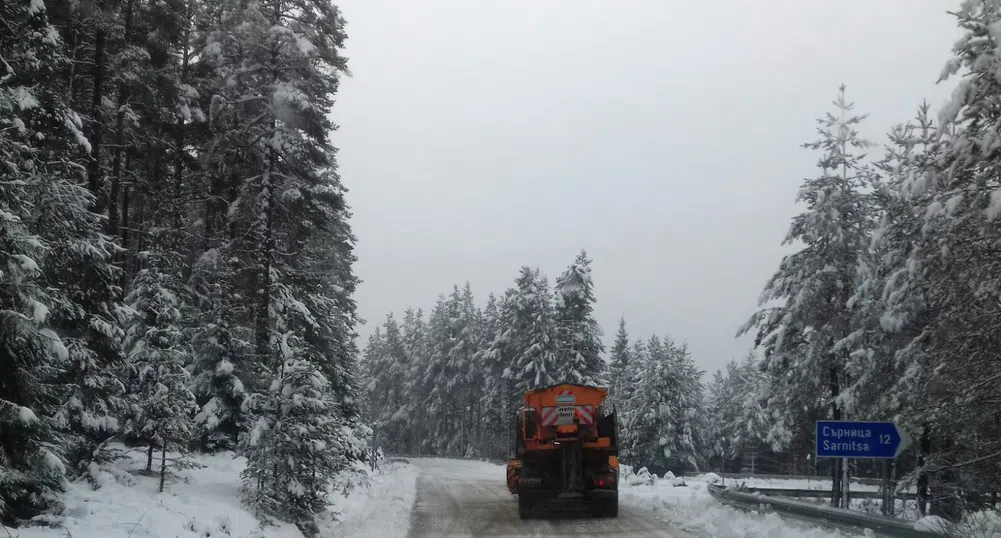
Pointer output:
x,y
524,506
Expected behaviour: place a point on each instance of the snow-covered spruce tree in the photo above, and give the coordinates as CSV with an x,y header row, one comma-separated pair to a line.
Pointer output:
x,y
415,344
495,401
816,283
86,311
373,363
450,380
721,410
535,362
889,308
578,335
385,372
320,277
297,443
500,360
221,350
739,425
619,364
750,423
437,400
952,268
163,406
468,383
666,407
38,135
638,358
281,64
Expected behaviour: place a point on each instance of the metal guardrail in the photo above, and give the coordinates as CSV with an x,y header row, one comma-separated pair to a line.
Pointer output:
x,y
853,479
824,493
825,516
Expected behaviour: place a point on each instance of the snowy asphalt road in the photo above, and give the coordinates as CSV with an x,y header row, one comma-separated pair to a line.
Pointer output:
x,y
470,499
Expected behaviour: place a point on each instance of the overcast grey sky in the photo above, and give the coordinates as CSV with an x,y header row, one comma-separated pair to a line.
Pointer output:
x,y
663,136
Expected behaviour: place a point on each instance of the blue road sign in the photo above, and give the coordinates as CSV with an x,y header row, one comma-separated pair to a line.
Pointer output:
x,y
851,439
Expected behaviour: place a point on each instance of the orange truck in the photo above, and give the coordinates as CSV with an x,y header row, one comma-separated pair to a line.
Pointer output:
x,y
565,451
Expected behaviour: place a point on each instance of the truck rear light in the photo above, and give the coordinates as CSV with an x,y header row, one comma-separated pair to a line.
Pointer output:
x,y
604,481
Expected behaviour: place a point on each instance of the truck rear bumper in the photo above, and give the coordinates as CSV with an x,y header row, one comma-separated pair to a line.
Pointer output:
x,y
603,494
556,496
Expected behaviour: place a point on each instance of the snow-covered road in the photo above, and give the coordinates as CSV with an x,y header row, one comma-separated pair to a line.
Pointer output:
x,y
459,498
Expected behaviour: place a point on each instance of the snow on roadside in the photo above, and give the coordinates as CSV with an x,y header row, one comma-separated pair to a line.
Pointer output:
x,y
382,510
689,507
204,502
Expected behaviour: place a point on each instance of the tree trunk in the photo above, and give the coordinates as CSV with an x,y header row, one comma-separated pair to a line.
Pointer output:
x,y
149,458
163,465
97,120
116,172
836,470
923,453
264,282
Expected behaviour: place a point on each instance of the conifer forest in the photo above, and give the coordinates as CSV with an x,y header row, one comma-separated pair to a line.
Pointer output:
x,y
178,274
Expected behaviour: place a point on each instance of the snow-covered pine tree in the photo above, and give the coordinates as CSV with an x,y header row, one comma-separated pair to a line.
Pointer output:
x,y
816,283
690,433
279,64
619,366
320,243
495,401
739,425
372,366
415,343
163,407
751,425
85,301
221,350
953,269
643,403
451,380
535,361
721,411
502,352
386,370
889,308
638,358
439,372
38,135
578,335
666,408
296,444
468,328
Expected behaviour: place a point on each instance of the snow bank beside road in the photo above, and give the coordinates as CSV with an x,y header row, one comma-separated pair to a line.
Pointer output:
x,y
691,508
383,509
204,502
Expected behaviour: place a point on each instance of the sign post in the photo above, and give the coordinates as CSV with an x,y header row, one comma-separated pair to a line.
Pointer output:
x,y
848,439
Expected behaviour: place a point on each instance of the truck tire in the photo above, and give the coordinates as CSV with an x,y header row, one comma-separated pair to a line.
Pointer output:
x,y
524,507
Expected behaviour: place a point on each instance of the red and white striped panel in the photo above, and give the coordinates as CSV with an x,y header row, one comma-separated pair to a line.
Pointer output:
x,y
551,415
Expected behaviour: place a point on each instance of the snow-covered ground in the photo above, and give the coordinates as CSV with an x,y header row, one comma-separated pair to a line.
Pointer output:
x,y
687,504
203,502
